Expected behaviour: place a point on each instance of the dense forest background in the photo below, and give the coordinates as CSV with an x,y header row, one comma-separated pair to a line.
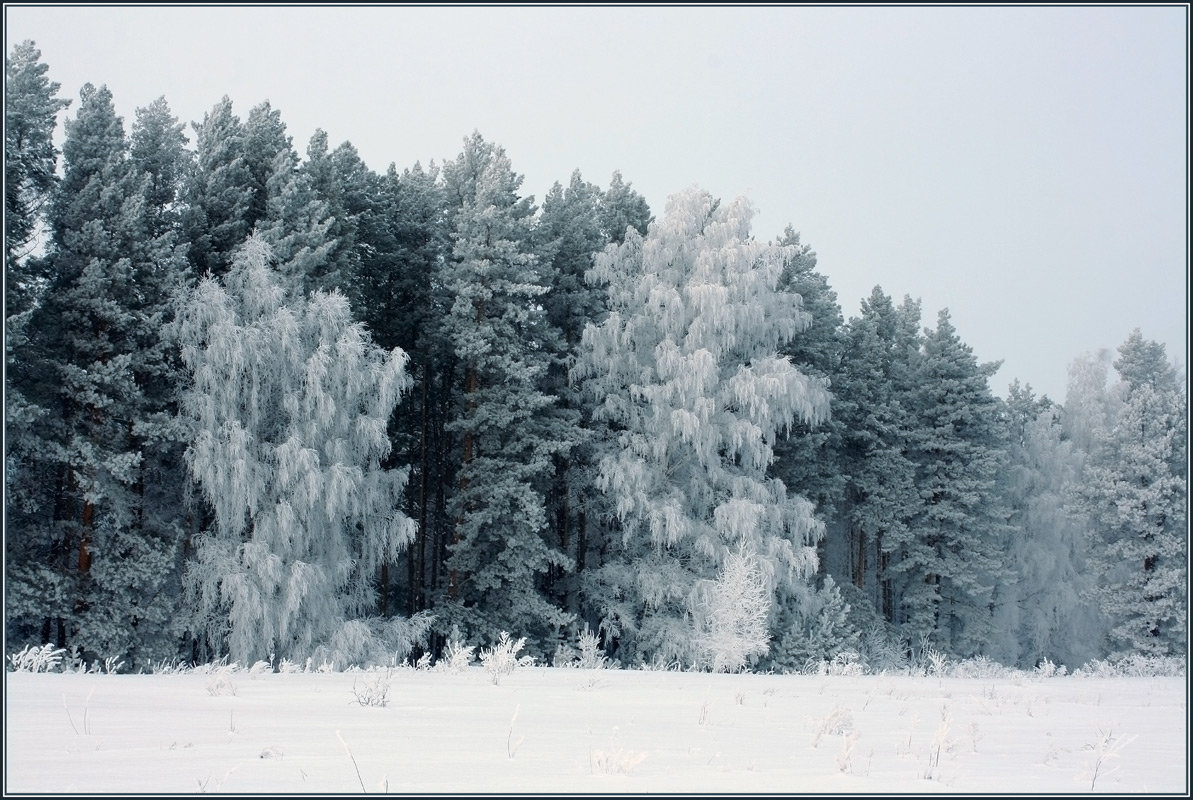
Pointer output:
x,y
276,406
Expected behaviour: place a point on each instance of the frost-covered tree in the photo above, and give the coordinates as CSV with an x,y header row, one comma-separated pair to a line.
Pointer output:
x,y
1041,613
951,557
1134,491
219,194
730,614
1089,406
808,458
685,374
288,399
874,410
91,548
509,430
31,106
297,225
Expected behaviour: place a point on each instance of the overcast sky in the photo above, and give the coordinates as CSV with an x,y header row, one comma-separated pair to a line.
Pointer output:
x,y
1024,167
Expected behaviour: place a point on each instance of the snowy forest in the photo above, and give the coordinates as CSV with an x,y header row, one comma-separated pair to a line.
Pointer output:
x,y
271,405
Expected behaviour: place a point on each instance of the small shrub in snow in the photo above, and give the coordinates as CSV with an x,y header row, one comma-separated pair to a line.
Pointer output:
x,y
373,690
174,666
502,658
844,663
587,655
979,667
591,654
1046,669
457,656
46,658
1136,666
221,681
837,721
616,762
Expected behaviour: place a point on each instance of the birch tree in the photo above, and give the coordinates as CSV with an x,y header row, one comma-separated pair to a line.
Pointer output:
x,y
684,374
289,400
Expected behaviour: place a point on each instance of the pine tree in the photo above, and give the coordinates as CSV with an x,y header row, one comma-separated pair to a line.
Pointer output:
x,y
297,226
264,141
289,400
622,209
685,376
97,550
576,223
874,408
219,194
808,458
1134,491
951,558
403,238
508,431
31,106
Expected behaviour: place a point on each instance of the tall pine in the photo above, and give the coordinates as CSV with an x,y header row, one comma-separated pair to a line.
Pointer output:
x,y
506,427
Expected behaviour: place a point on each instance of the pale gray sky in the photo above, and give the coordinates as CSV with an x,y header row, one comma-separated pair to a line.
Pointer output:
x,y
1025,167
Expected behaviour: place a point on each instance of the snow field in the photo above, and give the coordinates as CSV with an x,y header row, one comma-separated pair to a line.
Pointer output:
x,y
604,731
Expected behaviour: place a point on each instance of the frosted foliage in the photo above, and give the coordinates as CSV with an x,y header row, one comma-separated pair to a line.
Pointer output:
x,y
1048,550
1135,492
289,400
684,370
730,614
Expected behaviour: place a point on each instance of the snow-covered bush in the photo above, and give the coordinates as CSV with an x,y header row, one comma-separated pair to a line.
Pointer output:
x,y
978,667
730,614
46,658
456,655
372,691
881,651
221,681
1135,666
502,658
1046,669
587,654
813,625
846,662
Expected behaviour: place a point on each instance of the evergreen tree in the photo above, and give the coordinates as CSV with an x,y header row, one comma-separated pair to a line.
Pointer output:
x,y
685,375
621,209
873,406
951,558
265,140
288,401
808,458
507,428
31,106
157,149
1134,491
296,226
219,194
92,548
401,238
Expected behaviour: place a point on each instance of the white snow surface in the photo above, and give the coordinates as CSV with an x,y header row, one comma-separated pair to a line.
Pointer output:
x,y
566,730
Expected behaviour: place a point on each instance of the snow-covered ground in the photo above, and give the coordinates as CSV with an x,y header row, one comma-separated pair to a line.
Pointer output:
x,y
592,731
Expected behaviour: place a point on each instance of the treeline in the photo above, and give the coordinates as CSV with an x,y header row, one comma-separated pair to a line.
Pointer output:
x,y
266,405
